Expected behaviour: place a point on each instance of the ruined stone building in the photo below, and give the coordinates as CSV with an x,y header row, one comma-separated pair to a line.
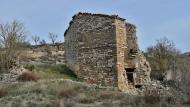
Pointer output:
x,y
102,49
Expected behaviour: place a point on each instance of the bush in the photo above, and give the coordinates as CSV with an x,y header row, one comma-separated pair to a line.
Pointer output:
x,y
3,93
29,67
87,100
186,103
164,57
152,96
67,93
12,37
170,100
28,76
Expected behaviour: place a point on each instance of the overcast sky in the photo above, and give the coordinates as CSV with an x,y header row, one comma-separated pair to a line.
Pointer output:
x,y
154,18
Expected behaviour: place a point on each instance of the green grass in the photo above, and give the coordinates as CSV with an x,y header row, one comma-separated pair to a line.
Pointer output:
x,y
46,71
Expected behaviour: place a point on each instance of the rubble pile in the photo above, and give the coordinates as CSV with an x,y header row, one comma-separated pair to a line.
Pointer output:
x,y
12,75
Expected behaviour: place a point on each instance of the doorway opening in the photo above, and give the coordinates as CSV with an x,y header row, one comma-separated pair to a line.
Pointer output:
x,y
130,75
138,86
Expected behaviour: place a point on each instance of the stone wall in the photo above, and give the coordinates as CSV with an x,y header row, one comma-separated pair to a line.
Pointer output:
x,y
132,47
121,47
71,46
135,59
142,70
92,41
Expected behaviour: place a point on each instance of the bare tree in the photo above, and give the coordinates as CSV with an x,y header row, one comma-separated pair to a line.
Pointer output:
x,y
43,42
12,37
162,57
53,37
36,39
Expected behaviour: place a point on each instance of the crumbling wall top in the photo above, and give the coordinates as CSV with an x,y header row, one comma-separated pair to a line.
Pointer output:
x,y
130,25
101,15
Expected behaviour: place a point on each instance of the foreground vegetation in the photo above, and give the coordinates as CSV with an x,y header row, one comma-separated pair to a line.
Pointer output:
x,y
67,93
56,86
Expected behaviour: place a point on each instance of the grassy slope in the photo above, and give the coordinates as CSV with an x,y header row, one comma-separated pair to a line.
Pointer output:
x,y
61,92
46,71
56,89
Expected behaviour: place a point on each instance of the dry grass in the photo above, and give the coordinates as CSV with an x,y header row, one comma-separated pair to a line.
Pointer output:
x,y
106,95
67,93
87,100
28,76
111,95
3,93
152,96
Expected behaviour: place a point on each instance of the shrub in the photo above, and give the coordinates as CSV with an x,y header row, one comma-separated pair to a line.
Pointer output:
x,y
67,93
28,76
86,100
152,96
3,93
170,100
186,103
12,37
29,67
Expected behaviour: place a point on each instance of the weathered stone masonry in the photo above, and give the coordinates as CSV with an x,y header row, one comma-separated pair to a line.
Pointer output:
x,y
102,49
